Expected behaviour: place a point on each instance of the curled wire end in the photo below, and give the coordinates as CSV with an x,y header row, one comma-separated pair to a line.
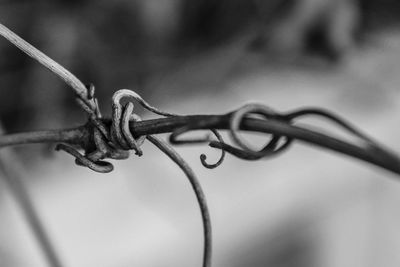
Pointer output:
x,y
203,157
94,159
98,166
174,139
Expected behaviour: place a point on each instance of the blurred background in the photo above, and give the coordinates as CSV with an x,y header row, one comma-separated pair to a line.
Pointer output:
x,y
307,207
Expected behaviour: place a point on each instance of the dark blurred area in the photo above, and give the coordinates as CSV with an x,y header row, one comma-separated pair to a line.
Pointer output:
x,y
133,43
209,54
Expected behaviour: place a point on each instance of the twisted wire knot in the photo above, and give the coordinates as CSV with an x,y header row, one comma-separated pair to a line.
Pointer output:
x,y
116,141
113,143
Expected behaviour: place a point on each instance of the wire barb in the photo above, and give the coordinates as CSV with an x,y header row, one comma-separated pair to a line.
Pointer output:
x,y
116,141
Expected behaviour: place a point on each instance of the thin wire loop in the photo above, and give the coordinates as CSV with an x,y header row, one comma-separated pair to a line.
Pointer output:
x,y
128,116
331,117
237,117
245,151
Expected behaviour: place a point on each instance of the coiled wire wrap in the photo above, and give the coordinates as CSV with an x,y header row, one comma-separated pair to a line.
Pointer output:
x,y
113,144
117,142
246,152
